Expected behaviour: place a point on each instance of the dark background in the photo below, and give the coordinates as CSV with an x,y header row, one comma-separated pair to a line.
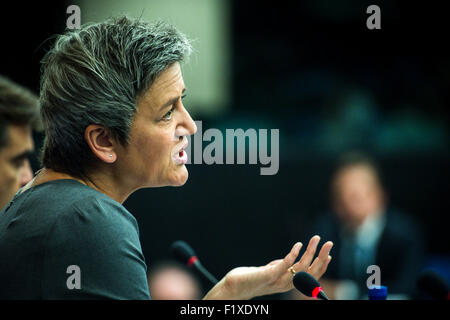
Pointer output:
x,y
313,70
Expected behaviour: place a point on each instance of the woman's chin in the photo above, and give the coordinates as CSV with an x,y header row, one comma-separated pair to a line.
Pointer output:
x,y
176,178
180,177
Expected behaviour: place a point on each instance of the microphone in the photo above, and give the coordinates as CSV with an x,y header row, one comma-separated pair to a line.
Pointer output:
x,y
433,284
306,284
186,255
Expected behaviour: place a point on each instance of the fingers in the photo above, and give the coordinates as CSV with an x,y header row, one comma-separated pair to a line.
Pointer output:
x,y
289,259
319,269
325,251
320,264
308,256
316,269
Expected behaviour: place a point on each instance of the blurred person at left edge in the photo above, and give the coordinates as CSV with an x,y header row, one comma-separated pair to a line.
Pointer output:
x,y
19,115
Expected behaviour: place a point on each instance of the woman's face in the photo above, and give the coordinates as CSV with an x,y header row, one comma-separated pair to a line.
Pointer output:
x,y
154,156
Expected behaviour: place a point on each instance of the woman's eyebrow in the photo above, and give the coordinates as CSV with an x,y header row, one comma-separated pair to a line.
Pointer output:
x,y
172,100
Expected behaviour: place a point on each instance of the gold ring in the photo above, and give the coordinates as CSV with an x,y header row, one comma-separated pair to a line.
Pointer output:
x,y
291,269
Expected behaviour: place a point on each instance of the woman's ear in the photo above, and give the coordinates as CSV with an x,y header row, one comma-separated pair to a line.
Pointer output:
x,y
101,143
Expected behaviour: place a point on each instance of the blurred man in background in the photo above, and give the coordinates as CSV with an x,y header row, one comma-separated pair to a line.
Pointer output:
x,y
366,232
171,281
19,115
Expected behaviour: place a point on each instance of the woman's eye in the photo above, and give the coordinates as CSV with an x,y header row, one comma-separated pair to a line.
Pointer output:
x,y
168,115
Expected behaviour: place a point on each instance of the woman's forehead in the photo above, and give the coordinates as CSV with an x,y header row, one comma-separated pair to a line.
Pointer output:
x,y
167,86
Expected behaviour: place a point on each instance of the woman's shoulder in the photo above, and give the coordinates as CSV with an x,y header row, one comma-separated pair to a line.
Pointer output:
x,y
70,201
86,215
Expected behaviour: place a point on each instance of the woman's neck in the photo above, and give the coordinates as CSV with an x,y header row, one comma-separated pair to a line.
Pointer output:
x,y
101,183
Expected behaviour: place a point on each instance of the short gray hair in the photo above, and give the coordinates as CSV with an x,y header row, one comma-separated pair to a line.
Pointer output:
x,y
96,75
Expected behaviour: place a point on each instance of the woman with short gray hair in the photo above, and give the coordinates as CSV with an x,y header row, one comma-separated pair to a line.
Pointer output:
x,y
111,101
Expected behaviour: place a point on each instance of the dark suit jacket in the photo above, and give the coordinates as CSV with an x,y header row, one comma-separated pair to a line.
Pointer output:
x,y
399,253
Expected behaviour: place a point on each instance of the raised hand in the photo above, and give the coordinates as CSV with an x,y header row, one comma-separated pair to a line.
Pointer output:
x,y
275,277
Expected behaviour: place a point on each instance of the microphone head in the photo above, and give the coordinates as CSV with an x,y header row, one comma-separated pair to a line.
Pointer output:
x,y
305,283
183,252
433,284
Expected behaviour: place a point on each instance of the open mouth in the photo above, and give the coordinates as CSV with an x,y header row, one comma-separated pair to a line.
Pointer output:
x,y
180,157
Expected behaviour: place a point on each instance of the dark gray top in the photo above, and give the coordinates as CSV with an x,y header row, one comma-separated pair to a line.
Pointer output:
x,y
61,234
